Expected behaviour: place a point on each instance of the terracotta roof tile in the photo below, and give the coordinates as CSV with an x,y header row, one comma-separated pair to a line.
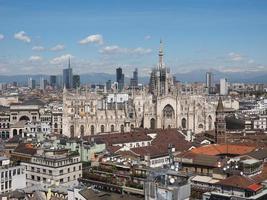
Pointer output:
x,y
218,149
237,181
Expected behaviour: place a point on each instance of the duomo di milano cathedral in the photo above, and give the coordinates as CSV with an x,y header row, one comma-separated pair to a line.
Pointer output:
x,y
160,106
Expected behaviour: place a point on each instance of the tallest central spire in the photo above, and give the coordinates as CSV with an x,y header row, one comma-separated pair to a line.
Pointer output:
x,y
161,54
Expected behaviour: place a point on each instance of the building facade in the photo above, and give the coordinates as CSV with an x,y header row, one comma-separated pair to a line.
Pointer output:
x,y
53,167
12,177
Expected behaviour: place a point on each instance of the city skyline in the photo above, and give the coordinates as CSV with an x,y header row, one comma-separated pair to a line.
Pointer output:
x,y
227,36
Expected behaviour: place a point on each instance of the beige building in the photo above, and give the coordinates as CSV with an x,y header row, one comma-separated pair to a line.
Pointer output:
x,y
53,167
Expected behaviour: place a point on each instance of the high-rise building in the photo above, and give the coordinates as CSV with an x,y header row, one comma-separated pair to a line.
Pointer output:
x,y
120,79
59,82
134,80
67,77
42,83
53,81
76,81
108,85
223,86
31,83
209,83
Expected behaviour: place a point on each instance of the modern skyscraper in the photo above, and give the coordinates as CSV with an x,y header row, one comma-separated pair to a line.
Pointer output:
x,y
223,86
42,83
108,85
59,82
134,80
31,83
209,82
118,74
67,77
120,79
53,81
76,81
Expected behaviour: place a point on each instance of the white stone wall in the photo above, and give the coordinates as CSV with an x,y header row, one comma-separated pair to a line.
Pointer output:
x,y
85,110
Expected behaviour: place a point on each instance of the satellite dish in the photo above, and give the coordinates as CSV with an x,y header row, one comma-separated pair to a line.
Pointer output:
x,y
172,180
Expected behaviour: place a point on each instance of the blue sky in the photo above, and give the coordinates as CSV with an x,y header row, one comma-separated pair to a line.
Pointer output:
x,y
38,36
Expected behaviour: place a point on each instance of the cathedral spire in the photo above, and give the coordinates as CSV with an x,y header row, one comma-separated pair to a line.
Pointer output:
x,y
220,105
161,54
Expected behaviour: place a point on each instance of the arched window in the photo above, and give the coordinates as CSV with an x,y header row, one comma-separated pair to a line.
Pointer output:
x,y
20,132
183,123
200,126
82,130
15,132
168,112
55,125
210,122
152,123
132,126
71,131
112,128
122,128
102,129
92,130
25,118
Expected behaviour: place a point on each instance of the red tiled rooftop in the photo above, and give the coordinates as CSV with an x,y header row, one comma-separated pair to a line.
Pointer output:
x,y
171,136
237,181
255,187
153,151
25,148
218,149
119,138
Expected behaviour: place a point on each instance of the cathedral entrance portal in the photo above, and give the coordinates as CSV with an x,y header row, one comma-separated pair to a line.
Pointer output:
x,y
25,118
168,120
152,123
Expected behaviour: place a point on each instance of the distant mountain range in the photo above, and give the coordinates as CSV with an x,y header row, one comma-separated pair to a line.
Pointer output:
x,y
193,76
244,77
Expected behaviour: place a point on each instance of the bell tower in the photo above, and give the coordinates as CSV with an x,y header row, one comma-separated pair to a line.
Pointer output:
x,y
220,124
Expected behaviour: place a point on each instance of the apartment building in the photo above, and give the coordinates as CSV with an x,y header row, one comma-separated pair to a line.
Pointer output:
x,y
53,166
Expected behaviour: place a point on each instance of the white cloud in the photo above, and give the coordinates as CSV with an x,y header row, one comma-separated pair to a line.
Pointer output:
x,y
114,49
61,59
38,48
2,36
58,47
141,50
251,61
236,56
111,49
147,37
22,36
35,58
97,39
